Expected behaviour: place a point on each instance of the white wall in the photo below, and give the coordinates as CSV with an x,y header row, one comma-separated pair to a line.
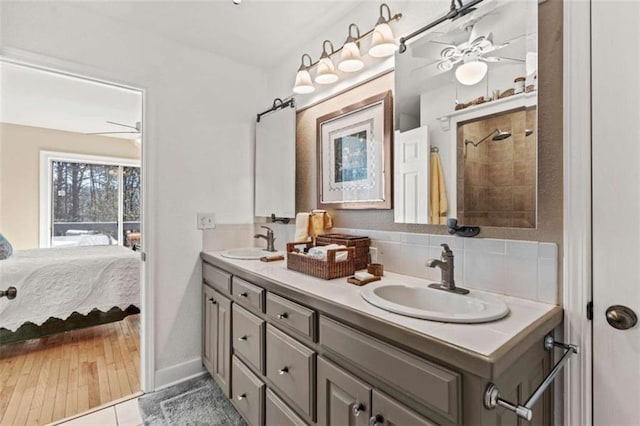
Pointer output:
x,y
199,125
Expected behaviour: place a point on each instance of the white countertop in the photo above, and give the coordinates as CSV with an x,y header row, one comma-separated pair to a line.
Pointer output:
x,y
483,339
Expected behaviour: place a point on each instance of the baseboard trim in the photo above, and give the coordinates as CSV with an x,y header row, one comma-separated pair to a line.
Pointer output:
x,y
178,373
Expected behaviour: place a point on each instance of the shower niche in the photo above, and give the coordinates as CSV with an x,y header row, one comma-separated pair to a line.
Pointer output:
x,y
496,171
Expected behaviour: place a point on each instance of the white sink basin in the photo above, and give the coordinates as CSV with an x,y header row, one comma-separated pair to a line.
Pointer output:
x,y
436,305
248,253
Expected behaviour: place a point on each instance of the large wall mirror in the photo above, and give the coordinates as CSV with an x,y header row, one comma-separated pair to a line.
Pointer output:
x,y
466,120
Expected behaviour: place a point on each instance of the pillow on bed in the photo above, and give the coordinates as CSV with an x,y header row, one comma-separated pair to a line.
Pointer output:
x,y
5,248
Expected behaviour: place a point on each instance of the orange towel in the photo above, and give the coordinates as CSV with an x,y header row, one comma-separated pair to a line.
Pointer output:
x,y
438,204
319,220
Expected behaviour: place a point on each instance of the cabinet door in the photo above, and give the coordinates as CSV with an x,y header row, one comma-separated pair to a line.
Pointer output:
x,y
217,337
208,313
388,412
342,398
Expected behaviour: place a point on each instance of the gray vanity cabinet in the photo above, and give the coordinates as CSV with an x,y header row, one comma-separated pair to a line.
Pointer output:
x,y
216,347
343,399
287,359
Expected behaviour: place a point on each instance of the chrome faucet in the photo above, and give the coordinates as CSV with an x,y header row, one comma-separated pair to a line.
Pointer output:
x,y
269,237
447,282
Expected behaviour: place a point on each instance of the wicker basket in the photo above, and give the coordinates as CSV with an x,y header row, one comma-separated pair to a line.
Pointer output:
x,y
361,244
325,269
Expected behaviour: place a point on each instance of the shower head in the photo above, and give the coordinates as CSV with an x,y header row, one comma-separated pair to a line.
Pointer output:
x,y
500,135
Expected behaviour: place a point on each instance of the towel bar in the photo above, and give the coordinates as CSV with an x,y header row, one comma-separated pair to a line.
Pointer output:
x,y
492,393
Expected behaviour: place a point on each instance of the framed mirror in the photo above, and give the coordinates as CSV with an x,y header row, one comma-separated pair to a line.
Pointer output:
x,y
470,87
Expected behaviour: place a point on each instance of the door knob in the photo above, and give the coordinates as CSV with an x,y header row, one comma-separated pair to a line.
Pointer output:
x,y
10,293
621,317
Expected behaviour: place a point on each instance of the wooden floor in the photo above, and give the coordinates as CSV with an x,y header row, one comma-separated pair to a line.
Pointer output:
x,y
47,379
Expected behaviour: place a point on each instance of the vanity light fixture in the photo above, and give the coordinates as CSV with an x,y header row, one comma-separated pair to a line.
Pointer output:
x,y
303,84
472,71
350,60
383,43
326,71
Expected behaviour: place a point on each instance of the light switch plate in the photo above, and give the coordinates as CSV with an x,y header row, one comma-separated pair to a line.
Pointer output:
x,y
206,220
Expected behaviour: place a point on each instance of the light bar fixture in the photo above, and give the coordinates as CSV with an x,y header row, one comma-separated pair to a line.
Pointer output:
x,y
350,60
303,83
382,45
326,71
382,42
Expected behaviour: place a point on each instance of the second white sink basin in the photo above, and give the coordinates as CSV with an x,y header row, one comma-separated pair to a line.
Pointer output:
x,y
436,305
248,253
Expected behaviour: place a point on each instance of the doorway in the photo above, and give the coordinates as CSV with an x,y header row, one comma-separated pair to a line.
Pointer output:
x,y
616,209
71,158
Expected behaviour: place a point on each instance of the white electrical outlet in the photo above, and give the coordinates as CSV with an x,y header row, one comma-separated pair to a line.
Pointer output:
x,y
206,220
373,252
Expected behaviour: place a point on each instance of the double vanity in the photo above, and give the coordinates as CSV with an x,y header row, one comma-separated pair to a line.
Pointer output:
x,y
290,349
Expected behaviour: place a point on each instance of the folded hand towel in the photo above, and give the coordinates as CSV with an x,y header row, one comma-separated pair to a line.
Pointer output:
x,y
438,193
302,228
320,252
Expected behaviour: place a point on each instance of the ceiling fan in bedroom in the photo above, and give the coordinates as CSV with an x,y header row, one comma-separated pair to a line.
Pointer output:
x,y
470,56
134,130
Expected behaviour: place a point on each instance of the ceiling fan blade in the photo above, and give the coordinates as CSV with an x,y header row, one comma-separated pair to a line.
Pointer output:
x,y
500,59
113,133
136,127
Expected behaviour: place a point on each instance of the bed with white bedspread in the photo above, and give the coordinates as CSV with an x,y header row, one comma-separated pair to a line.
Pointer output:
x,y
55,282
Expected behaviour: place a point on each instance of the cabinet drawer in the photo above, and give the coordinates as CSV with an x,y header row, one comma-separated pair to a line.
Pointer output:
x,y
216,278
437,387
248,393
291,314
248,294
248,336
279,414
291,367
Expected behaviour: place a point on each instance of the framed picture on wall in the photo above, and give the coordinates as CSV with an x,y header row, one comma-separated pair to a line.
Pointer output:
x,y
354,155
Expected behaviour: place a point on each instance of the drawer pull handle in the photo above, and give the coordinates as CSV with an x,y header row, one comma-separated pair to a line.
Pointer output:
x,y
212,300
357,409
241,397
244,294
376,420
283,315
242,339
283,370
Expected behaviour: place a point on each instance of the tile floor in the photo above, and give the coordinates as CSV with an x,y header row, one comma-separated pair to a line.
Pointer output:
x,y
123,414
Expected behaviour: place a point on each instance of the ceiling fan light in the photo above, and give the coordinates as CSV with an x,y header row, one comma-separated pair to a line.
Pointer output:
x,y
303,84
471,72
383,43
350,60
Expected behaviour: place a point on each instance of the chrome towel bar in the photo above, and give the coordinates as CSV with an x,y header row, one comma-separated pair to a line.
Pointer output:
x,y
492,393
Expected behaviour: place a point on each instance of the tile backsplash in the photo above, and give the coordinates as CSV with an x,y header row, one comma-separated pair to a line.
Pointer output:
x,y
525,269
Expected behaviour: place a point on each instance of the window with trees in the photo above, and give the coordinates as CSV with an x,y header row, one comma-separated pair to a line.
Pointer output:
x,y
93,201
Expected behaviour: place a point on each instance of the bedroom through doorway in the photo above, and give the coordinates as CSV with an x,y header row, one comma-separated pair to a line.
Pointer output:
x,y
71,191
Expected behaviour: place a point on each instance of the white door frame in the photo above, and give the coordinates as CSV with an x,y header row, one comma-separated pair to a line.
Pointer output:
x,y
577,211
147,316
